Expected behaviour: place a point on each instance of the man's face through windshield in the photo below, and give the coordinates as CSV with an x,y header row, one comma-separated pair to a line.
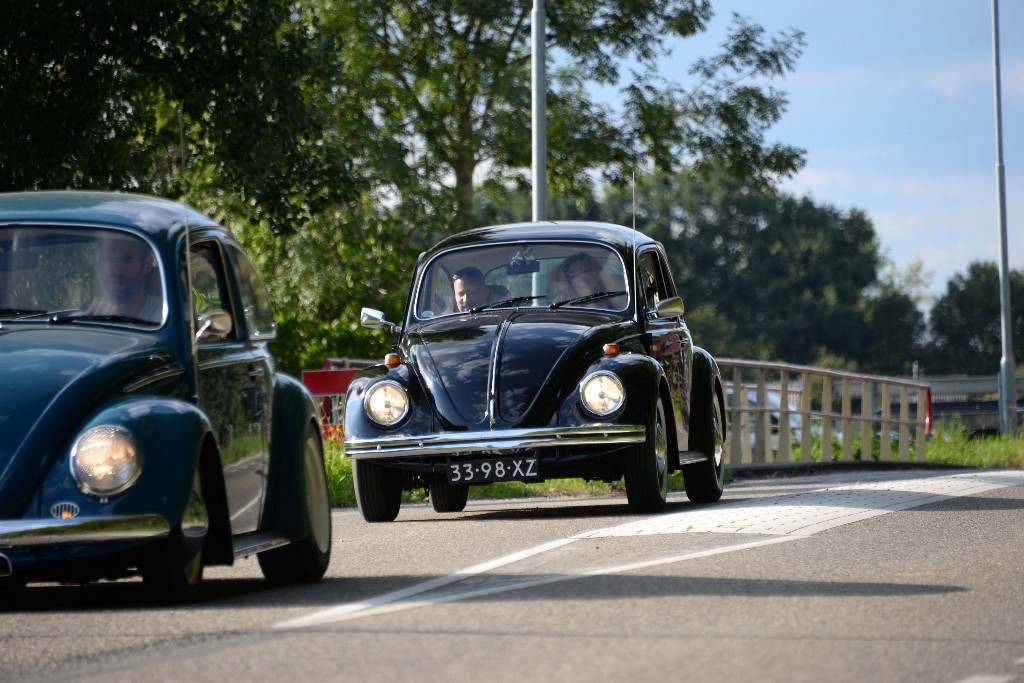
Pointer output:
x,y
469,289
124,265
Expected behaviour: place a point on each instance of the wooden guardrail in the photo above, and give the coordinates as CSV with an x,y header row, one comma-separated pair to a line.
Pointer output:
x,y
791,413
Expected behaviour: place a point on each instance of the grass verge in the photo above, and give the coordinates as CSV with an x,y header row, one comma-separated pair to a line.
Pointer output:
x,y
947,446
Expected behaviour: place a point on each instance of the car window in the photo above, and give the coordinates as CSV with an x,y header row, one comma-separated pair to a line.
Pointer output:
x,y
259,316
91,274
651,281
534,275
209,293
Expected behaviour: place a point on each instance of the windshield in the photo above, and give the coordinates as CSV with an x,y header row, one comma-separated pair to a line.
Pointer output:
x,y
73,274
538,275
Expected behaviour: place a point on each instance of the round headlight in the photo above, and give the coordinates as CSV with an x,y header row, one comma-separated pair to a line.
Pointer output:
x,y
105,460
602,393
386,403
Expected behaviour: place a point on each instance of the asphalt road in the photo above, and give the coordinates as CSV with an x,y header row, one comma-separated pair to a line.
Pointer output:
x,y
895,576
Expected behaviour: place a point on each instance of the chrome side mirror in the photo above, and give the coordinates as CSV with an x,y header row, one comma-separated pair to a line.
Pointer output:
x,y
213,325
671,307
374,319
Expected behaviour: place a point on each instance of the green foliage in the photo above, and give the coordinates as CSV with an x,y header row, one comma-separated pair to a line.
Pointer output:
x,y
786,278
447,86
965,322
104,98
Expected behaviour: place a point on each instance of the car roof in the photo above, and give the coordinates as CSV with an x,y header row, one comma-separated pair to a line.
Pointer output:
x,y
617,236
145,213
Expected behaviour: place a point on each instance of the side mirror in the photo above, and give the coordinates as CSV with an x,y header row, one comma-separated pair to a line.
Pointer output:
x,y
374,320
671,307
213,325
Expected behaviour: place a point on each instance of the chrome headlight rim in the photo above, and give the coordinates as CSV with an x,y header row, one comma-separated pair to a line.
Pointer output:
x,y
617,404
382,386
123,444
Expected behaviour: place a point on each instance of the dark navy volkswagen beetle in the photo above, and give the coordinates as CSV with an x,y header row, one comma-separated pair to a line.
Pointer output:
x,y
537,351
143,427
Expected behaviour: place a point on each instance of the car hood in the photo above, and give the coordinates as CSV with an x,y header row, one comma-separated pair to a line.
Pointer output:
x,y
516,365
52,377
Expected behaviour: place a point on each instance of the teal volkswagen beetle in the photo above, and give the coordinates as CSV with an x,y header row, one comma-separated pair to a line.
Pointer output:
x,y
144,430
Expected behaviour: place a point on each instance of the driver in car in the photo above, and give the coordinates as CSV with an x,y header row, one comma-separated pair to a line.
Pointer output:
x,y
124,266
469,289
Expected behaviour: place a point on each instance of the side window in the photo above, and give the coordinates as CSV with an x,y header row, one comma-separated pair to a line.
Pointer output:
x,y
208,286
651,290
259,316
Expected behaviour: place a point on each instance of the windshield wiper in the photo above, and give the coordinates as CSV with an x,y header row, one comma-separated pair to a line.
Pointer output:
x,y
73,315
507,302
20,312
596,296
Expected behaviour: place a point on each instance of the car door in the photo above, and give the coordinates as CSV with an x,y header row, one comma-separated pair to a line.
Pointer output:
x,y
233,379
668,337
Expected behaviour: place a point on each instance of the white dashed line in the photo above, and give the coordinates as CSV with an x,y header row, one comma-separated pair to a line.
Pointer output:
x,y
784,518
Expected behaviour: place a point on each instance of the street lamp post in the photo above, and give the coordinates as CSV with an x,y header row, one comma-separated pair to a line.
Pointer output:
x,y
1007,379
540,131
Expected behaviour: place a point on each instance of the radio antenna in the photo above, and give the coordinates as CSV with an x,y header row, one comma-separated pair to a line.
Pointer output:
x,y
633,183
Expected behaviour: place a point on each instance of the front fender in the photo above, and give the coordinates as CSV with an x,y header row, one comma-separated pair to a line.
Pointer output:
x,y
295,412
169,433
421,418
641,378
707,385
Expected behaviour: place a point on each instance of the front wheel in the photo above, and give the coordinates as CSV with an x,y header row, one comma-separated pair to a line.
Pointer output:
x,y
378,491
647,467
305,561
445,497
703,480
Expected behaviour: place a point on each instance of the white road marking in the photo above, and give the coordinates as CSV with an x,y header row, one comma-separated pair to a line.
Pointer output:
x,y
813,511
342,612
784,518
987,679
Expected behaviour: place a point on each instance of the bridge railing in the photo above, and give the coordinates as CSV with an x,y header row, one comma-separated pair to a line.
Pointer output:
x,y
780,412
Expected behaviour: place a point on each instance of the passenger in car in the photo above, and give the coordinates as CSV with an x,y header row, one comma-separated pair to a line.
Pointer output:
x,y
578,275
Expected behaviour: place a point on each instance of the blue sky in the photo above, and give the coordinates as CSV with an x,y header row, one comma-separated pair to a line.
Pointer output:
x,y
893,102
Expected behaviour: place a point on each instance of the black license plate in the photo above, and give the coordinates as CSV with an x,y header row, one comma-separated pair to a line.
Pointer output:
x,y
495,469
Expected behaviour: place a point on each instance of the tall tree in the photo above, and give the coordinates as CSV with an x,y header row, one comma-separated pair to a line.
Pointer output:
x,y
964,324
789,276
112,97
450,81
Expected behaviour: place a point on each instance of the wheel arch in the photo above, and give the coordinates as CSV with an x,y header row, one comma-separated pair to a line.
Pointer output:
x,y
218,548
295,414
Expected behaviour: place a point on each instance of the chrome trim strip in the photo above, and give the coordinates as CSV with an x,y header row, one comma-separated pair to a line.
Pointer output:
x,y
250,545
35,532
502,441
155,377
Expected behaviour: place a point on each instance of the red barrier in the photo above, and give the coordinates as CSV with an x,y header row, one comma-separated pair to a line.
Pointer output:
x,y
329,386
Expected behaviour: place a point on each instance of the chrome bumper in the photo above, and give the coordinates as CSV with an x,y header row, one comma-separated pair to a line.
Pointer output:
x,y
496,442
40,532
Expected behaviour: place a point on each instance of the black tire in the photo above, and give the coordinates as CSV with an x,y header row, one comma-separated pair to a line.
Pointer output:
x,y
704,480
305,561
445,497
647,467
378,491
172,569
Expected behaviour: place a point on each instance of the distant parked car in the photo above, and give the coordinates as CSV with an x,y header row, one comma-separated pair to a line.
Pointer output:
x,y
145,429
531,352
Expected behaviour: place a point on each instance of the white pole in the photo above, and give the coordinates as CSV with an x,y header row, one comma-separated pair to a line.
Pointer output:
x,y
1007,381
540,133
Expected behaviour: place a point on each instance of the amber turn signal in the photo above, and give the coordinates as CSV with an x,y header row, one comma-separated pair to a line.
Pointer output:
x,y
392,360
611,350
